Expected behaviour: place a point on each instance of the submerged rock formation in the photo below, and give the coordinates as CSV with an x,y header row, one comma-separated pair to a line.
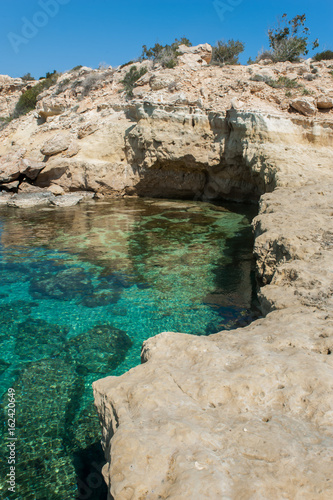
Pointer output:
x,y
240,414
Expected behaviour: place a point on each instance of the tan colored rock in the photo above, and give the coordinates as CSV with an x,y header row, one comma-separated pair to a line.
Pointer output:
x,y
324,102
56,144
50,106
161,81
196,56
305,105
11,166
87,129
55,189
31,168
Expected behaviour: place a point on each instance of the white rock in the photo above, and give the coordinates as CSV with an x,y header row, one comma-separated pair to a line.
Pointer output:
x,y
305,105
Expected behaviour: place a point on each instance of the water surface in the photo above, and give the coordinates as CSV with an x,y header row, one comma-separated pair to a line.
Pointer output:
x,y
81,289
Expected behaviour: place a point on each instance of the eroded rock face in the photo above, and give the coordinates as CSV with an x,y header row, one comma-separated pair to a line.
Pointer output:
x,y
56,144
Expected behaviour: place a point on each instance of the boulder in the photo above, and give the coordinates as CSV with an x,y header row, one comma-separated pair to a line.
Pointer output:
x,y
31,168
56,144
11,185
28,200
196,56
55,189
25,187
324,102
304,105
161,81
11,166
67,200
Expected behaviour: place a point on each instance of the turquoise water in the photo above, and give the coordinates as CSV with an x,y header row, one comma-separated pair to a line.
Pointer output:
x,y
81,289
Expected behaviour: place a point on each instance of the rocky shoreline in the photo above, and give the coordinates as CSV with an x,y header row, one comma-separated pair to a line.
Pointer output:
x,y
240,414
246,413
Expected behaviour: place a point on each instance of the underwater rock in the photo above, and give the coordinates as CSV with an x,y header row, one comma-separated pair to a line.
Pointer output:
x,y
36,338
64,285
100,299
100,350
3,366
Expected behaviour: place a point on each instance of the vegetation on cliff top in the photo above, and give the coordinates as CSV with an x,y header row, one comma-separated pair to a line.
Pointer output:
x,y
27,101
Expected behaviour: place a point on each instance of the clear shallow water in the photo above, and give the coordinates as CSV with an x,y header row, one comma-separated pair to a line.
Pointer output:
x,y
81,289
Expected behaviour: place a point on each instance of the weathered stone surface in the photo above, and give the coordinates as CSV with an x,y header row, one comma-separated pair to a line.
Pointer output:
x,y
304,105
31,168
324,102
161,80
67,200
29,200
11,166
196,56
56,144
51,106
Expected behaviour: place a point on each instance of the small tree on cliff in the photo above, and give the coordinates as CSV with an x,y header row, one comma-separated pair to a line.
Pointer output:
x,y
227,52
290,39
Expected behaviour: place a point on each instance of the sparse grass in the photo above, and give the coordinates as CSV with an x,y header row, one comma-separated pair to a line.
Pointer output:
x,y
283,82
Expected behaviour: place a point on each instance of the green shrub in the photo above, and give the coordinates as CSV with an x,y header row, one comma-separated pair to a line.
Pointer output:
x,y
27,101
76,68
27,77
289,40
227,52
166,55
131,77
323,56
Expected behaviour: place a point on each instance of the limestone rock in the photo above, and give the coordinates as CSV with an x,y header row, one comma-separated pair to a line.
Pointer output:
x,y
324,102
50,106
11,166
55,189
30,188
160,81
196,56
56,144
67,200
29,200
87,129
11,185
304,105
31,168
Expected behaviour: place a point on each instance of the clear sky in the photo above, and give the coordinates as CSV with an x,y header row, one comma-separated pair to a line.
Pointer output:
x,y
43,35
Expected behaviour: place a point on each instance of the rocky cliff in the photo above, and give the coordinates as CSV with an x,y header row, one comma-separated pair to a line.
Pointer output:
x,y
240,414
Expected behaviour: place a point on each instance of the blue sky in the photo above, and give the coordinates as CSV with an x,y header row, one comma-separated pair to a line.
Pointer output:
x,y
64,33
